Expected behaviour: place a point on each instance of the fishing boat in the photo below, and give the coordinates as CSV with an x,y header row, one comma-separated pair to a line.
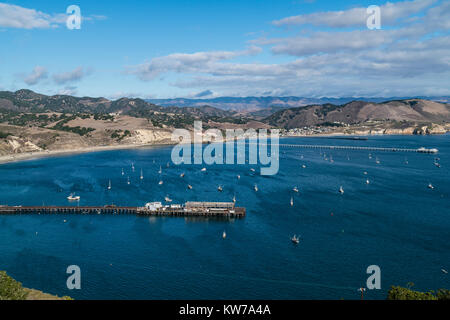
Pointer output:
x,y
219,188
341,190
72,197
167,199
256,188
109,185
142,175
295,239
295,189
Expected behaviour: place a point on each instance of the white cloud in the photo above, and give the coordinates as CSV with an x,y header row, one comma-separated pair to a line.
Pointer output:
x,y
39,73
13,16
390,14
70,76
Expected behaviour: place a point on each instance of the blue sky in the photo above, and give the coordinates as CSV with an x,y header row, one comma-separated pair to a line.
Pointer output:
x,y
163,49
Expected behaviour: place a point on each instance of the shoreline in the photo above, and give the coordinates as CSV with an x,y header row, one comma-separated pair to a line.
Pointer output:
x,y
19,157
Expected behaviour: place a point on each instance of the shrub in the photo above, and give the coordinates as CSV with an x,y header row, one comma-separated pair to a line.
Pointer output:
x,y
10,289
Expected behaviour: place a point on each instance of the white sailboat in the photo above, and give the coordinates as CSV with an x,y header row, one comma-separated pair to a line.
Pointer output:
x,y
123,173
256,188
292,201
142,175
341,190
128,180
132,166
160,170
234,199
295,239
109,185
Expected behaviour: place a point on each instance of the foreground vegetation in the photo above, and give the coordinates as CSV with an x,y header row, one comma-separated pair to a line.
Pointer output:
x,y
11,289
401,293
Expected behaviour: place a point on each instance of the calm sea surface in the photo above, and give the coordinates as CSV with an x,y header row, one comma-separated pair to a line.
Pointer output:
x,y
395,222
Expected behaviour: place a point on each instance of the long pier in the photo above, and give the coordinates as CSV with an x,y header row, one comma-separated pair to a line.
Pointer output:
x,y
169,211
382,149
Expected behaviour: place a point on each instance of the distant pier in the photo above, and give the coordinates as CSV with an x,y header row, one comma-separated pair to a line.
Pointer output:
x,y
318,146
190,209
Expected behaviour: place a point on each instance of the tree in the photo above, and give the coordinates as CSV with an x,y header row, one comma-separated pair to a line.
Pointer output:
x,y
10,289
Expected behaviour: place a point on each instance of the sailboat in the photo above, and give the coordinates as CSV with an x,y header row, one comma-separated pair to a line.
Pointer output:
x,y
256,188
160,170
123,173
128,180
109,185
341,190
234,199
295,239
292,202
377,161
132,166
142,175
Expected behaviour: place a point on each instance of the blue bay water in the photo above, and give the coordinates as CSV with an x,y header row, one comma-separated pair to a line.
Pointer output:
x,y
394,222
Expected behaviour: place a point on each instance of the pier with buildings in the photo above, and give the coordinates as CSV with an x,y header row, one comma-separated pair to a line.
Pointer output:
x,y
189,209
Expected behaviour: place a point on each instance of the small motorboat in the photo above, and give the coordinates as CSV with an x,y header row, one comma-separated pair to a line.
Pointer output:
x,y
444,271
295,239
256,188
295,189
341,190
219,188
252,170
167,199
224,235
303,166
72,197
203,170
292,202
189,187
160,182
430,186
109,185
238,176
182,175
367,181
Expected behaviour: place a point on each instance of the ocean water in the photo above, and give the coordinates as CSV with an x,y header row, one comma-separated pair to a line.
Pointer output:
x,y
395,222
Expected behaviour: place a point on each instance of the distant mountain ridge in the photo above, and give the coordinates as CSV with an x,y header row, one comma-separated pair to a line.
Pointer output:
x,y
411,110
255,104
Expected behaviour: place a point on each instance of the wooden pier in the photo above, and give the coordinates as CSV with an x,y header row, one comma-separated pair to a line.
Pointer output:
x,y
169,211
